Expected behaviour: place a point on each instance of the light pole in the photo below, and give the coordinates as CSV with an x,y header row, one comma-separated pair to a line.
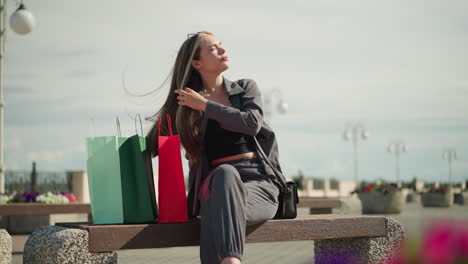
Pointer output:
x,y
22,22
355,132
396,148
282,106
449,155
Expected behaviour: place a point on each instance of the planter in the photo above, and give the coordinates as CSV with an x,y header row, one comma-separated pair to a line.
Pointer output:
x,y
458,198
23,224
380,203
437,199
413,197
24,218
26,224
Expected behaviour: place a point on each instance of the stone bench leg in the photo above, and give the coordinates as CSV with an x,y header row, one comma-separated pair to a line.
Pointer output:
x,y
60,245
5,247
361,250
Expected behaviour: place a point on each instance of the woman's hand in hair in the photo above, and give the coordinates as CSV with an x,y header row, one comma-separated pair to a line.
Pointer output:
x,y
190,98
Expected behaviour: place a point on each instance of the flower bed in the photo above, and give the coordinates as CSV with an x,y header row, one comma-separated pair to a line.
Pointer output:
x,y
35,197
26,224
383,198
441,196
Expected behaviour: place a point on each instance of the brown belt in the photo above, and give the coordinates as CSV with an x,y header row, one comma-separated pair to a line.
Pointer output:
x,y
216,161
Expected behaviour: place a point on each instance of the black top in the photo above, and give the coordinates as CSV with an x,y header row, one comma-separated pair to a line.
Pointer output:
x,y
220,143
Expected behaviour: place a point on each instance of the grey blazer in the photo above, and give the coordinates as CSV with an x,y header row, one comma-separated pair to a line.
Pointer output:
x,y
245,115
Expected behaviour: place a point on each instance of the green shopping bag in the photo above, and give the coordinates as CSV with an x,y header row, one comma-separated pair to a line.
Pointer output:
x,y
120,187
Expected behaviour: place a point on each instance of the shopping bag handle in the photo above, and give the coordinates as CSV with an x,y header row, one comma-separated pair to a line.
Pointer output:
x,y
169,125
91,128
141,125
119,134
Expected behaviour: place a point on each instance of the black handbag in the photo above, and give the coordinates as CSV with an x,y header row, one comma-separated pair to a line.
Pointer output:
x,y
288,197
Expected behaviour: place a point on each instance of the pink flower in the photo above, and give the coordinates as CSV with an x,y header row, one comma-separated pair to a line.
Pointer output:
x,y
463,242
369,187
445,242
71,197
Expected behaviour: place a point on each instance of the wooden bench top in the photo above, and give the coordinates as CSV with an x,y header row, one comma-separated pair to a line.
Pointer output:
x,y
318,202
44,209
105,238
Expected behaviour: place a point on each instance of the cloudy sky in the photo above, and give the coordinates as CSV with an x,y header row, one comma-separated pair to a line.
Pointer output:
x,y
398,67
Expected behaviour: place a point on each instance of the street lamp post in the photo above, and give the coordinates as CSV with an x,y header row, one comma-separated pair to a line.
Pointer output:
x,y
449,155
355,132
282,106
396,148
22,22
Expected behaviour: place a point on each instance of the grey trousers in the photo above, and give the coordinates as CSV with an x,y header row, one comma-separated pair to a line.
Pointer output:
x,y
235,194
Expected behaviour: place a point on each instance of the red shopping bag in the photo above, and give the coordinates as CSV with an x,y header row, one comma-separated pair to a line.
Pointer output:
x,y
171,187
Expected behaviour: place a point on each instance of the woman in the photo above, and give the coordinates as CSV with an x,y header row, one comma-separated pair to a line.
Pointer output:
x,y
220,123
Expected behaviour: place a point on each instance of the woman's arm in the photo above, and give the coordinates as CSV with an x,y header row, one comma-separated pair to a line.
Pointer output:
x,y
248,120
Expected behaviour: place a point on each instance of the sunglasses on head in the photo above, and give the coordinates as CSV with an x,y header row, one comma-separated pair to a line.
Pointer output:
x,y
194,34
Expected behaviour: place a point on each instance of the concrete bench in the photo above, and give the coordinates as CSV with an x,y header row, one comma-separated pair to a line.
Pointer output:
x,y
371,238
5,247
322,205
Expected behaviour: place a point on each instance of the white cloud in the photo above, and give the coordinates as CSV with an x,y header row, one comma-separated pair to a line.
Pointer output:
x,y
49,156
13,143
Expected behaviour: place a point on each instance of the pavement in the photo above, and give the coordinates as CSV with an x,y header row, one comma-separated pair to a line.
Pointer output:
x,y
414,219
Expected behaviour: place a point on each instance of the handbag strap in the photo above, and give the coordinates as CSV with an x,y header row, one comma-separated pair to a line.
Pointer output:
x,y
283,183
169,124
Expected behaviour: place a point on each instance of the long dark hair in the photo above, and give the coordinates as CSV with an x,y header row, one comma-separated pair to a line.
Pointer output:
x,y
187,119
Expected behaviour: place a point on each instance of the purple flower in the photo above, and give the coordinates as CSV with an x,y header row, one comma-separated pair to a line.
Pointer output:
x,y
30,196
25,196
338,256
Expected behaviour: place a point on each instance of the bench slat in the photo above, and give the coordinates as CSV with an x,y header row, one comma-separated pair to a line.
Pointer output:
x,y
105,238
44,209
